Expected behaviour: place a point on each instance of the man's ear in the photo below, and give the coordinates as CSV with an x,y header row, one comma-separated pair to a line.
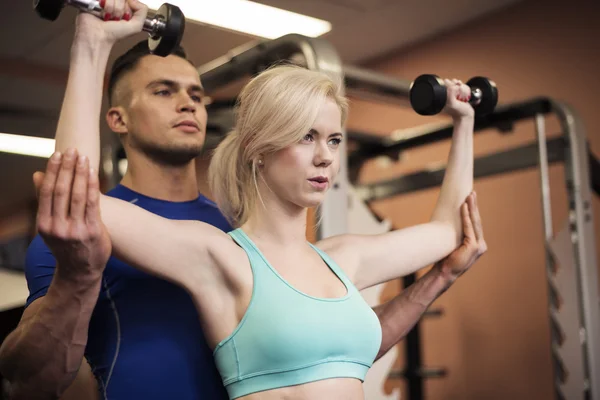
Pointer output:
x,y
116,118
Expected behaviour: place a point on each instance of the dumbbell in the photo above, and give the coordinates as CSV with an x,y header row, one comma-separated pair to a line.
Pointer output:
x,y
428,95
165,28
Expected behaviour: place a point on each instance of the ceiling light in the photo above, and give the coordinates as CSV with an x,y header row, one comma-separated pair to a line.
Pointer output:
x,y
248,17
26,145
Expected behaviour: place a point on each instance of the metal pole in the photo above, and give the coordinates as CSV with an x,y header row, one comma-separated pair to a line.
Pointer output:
x,y
583,240
545,184
556,332
372,85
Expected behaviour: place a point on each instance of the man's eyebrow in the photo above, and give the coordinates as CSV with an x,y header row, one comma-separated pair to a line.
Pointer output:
x,y
172,84
166,82
197,88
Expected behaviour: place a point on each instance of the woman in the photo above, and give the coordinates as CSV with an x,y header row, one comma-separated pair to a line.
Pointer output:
x,y
284,317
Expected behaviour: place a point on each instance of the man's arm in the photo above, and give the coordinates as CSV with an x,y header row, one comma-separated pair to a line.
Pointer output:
x,y
85,386
399,315
42,356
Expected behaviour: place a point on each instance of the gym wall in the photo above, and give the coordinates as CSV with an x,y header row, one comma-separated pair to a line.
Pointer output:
x,y
494,335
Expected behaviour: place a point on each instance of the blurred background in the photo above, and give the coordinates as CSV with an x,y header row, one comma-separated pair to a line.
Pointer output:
x,y
493,337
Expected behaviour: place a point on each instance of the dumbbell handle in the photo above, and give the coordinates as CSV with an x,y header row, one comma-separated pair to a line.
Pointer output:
x,y
154,26
476,95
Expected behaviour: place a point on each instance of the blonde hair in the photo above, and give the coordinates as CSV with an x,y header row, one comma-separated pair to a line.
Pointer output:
x,y
274,110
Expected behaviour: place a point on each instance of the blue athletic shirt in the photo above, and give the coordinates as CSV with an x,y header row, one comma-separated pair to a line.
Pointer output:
x,y
145,338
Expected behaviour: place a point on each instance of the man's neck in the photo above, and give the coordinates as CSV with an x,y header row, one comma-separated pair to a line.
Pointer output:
x,y
162,182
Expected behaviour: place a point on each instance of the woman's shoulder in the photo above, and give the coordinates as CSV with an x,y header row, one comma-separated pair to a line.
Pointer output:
x,y
341,250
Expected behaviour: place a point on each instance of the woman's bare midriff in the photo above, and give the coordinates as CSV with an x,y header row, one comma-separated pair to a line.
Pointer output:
x,y
328,389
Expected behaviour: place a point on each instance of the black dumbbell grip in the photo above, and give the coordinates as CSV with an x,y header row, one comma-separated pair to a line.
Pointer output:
x,y
154,26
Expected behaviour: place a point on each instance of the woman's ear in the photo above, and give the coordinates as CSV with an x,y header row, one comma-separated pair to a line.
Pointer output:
x,y
116,119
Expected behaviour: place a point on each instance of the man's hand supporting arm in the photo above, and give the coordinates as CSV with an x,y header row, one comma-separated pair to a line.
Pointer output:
x,y
42,356
399,315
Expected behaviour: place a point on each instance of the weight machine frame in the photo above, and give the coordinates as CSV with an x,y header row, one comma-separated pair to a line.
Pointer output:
x,y
574,308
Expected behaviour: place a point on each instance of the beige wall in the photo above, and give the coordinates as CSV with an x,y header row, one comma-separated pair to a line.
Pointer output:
x,y
494,337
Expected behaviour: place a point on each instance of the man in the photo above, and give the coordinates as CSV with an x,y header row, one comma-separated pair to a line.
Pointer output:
x,y
93,325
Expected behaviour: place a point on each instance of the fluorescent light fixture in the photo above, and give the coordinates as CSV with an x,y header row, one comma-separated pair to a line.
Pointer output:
x,y
248,17
26,145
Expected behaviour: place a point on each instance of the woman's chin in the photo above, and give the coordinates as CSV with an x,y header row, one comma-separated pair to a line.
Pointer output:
x,y
312,200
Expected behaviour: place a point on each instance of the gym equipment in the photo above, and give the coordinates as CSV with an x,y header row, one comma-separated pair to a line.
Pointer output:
x,y
573,293
165,27
428,95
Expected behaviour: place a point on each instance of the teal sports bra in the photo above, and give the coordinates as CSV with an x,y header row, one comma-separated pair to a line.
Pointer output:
x,y
287,337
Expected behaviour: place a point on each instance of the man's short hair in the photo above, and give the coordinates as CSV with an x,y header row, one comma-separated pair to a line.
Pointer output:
x,y
129,60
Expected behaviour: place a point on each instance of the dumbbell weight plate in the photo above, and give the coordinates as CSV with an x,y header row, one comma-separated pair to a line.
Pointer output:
x,y
428,95
489,94
167,40
48,9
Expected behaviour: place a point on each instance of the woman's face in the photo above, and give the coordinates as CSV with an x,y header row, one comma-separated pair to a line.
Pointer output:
x,y
302,173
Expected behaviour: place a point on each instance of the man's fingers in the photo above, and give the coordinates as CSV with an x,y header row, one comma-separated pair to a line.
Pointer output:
x,y
80,183
92,209
63,187
476,218
466,221
46,184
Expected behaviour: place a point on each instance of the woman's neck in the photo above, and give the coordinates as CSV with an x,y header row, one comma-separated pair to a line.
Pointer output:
x,y
277,223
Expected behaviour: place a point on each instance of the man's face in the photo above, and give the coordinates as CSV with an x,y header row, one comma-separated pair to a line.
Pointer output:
x,y
163,112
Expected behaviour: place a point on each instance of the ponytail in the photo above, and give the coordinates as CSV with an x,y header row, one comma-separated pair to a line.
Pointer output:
x,y
229,179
